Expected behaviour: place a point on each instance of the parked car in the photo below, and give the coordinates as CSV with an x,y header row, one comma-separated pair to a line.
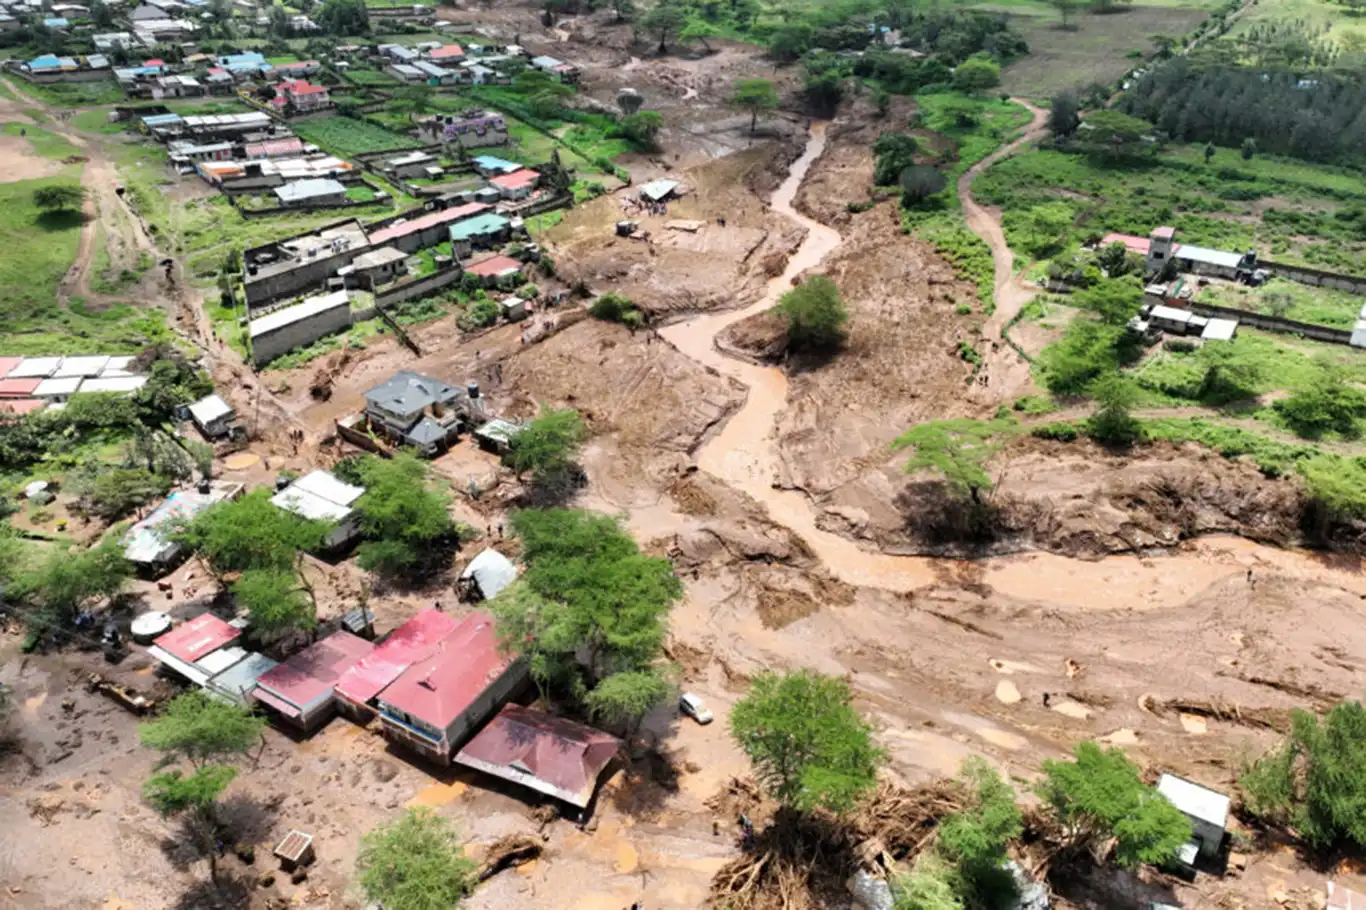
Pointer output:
x,y
695,708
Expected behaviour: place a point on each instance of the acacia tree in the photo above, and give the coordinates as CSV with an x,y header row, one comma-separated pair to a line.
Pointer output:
x,y
809,747
60,197
590,607
755,96
1099,797
205,733
957,450
1113,420
405,520
664,20
415,863
1315,781
975,839
698,29
65,583
548,448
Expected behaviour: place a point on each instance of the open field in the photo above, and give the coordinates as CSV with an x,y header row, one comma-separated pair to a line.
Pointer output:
x,y
1097,48
1341,24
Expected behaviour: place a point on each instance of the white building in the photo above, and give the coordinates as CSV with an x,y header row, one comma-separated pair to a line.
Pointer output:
x,y
320,496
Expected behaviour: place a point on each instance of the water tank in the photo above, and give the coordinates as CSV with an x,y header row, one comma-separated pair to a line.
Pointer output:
x,y
473,389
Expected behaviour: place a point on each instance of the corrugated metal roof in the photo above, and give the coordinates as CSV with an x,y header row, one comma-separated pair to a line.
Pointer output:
x,y
1196,801
306,680
9,363
410,642
442,686
550,755
431,219
208,409
18,388
494,265
292,314
198,637
492,571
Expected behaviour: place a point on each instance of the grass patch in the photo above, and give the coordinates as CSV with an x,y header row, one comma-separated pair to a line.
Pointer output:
x,y
48,145
74,94
1301,302
347,137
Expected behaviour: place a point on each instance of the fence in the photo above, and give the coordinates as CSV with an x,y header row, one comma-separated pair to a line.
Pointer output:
x,y
1274,323
308,207
441,278
1316,277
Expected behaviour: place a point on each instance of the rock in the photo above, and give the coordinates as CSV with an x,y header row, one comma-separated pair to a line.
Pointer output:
x,y
1007,693
299,877
383,771
266,880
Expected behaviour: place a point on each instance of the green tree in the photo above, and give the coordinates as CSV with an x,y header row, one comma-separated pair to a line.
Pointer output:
x,y
412,100
699,30
112,492
1325,404
623,699
1114,135
976,74
667,18
642,128
624,9
201,730
957,450
415,863
1113,421
1114,300
405,521
920,182
815,314
894,153
588,598
1065,10
1100,796
808,745
249,533
64,583
1248,148
1045,227
1230,375
60,197
976,838
548,445
1315,781
276,600
755,96
1064,114
1086,351
1336,486
195,798
614,307
344,17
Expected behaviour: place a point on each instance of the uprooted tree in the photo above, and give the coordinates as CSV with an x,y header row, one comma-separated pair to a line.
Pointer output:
x,y
809,747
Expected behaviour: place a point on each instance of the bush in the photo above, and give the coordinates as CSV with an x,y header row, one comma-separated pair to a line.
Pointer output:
x,y
895,152
976,74
613,307
919,183
815,314
480,314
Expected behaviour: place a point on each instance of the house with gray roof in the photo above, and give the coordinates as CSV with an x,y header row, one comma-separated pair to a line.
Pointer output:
x,y
416,410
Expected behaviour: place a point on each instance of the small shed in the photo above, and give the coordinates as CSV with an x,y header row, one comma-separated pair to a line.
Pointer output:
x,y
487,575
1217,329
213,416
514,308
496,435
1208,813
295,850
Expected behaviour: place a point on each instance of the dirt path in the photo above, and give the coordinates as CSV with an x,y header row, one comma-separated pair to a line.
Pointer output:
x,y
744,456
1004,372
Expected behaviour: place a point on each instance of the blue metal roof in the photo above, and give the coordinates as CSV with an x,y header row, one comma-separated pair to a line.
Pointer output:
x,y
492,163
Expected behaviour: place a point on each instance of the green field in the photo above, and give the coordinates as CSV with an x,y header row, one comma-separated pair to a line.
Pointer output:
x,y
39,249
1286,210
48,145
346,137
1320,306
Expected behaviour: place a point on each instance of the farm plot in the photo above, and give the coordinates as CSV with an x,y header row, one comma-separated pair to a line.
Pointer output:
x,y
345,136
1096,49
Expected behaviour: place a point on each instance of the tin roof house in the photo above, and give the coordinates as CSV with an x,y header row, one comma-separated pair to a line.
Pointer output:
x,y
416,410
302,690
320,496
440,700
415,639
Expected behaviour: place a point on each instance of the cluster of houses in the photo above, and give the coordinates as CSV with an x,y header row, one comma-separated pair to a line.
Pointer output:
x,y
438,63
441,688
29,384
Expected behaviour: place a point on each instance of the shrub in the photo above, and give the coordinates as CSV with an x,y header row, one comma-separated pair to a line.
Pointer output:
x,y
815,314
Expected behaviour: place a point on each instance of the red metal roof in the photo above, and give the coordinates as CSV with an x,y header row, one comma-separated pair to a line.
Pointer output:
x,y
155,61
516,180
202,635
1133,244
447,52
1164,233
494,265
301,87
273,147
9,363
431,219
21,405
548,754
17,388
311,674
442,686
410,642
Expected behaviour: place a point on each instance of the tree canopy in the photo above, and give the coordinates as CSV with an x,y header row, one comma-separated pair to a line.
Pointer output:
x,y
816,317
977,74
1100,796
59,197
548,448
589,606
404,519
200,729
975,839
956,450
665,20
1315,781
415,863
808,745
1113,134
755,96
249,532
1326,404
894,152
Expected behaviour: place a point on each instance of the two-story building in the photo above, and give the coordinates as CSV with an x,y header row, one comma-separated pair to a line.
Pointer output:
x,y
416,410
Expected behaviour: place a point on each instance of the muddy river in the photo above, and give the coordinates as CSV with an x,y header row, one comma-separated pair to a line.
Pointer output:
x,y
744,456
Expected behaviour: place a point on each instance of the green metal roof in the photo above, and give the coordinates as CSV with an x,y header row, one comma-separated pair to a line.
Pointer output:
x,y
482,224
